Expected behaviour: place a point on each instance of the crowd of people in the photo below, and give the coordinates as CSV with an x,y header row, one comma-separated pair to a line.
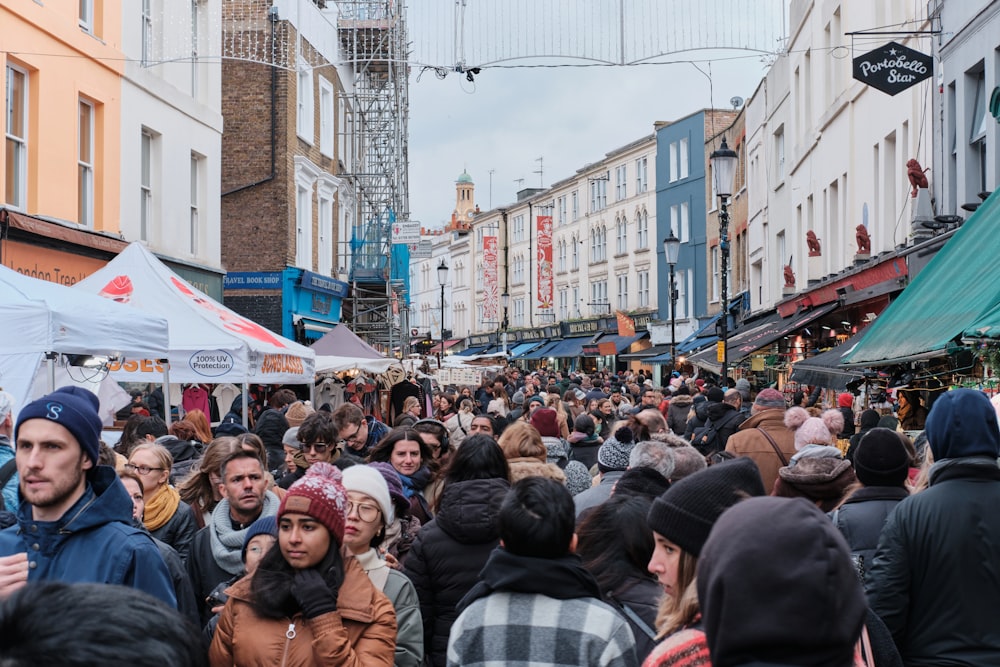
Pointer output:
x,y
541,518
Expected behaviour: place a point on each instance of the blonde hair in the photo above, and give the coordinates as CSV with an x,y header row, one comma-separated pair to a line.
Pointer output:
x,y
676,611
521,439
162,455
410,402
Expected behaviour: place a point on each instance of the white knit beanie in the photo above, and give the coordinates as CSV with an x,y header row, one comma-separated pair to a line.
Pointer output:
x,y
369,481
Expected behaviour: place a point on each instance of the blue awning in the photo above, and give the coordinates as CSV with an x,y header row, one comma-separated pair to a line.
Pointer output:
x,y
569,348
524,348
690,344
468,352
540,352
622,343
659,359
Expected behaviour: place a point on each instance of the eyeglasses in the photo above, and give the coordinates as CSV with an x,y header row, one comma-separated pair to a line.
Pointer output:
x,y
318,447
142,470
353,438
367,513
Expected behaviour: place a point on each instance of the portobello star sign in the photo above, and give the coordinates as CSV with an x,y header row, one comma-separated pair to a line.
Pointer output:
x,y
892,68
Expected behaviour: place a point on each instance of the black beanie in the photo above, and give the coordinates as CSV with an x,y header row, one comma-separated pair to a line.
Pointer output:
x,y
715,395
881,459
685,513
869,419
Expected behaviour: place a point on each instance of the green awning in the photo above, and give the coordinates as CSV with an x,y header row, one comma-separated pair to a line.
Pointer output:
x,y
955,291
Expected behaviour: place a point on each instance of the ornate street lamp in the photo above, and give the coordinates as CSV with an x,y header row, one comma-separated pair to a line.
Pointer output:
x,y
724,161
671,249
442,280
505,300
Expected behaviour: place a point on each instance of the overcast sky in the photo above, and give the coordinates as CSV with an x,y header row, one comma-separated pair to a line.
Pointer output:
x,y
568,115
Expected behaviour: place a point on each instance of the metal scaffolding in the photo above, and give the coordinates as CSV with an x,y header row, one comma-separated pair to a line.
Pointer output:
x,y
374,39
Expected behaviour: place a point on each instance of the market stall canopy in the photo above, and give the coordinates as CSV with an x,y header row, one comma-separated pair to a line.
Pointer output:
x,y
41,317
208,342
953,295
342,342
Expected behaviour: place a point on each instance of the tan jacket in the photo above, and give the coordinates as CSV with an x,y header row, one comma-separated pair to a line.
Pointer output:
x,y
750,442
526,466
361,633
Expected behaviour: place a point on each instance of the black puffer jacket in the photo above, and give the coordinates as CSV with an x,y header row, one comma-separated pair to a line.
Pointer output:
x,y
638,598
727,420
861,518
449,553
270,428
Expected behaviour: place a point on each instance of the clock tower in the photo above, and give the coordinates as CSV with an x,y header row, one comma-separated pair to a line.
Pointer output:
x,y
465,205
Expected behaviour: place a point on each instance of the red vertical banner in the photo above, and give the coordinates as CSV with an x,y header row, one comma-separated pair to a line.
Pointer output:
x,y
545,281
491,296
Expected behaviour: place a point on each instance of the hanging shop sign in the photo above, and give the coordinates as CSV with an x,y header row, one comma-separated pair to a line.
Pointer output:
x,y
893,68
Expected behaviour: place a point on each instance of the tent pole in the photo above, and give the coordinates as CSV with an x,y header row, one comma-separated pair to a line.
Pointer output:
x,y
166,391
246,403
312,393
50,361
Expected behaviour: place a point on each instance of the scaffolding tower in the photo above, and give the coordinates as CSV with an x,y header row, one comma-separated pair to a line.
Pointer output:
x,y
374,39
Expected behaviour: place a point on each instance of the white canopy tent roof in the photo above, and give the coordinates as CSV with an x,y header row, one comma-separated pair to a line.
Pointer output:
x,y
208,342
41,317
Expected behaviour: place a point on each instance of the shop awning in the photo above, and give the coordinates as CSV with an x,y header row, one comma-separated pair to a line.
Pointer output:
x,y
448,344
825,370
761,334
703,337
621,343
469,351
541,352
643,355
569,348
523,348
953,294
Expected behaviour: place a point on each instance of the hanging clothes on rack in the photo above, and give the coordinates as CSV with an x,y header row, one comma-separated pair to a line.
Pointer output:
x,y
330,390
224,395
195,397
399,393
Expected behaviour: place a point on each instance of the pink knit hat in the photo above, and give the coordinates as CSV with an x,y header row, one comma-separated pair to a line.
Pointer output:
x,y
814,430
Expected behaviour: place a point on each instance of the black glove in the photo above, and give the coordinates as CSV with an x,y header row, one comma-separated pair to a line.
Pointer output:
x,y
313,593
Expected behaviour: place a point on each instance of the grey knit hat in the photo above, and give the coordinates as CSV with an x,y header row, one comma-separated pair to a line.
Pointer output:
x,y
578,478
614,453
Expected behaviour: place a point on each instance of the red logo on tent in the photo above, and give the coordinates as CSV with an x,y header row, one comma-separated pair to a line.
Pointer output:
x,y
230,320
119,289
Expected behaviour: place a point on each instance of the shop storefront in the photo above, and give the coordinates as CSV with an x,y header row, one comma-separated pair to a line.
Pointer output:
x,y
312,304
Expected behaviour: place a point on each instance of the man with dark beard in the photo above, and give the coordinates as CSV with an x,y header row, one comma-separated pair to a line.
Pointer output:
x,y
74,523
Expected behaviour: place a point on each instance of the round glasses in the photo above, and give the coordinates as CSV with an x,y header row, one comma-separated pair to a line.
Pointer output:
x,y
142,470
367,513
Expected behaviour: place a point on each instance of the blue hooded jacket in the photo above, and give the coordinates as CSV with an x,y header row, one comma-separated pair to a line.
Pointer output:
x,y
93,542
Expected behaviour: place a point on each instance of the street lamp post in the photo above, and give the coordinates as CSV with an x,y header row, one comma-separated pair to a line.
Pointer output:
x,y
505,299
442,280
671,249
724,161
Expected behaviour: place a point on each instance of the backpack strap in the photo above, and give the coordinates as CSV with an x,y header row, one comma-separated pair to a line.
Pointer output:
x,y
777,450
6,472
635,618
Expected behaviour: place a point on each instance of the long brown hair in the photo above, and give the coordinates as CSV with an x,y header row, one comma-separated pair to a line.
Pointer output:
x,y
197,489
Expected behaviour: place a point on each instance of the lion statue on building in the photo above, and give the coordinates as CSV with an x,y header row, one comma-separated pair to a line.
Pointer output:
x,y
864,241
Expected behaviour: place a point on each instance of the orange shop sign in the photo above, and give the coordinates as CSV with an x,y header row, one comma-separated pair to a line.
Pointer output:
x,y
54,266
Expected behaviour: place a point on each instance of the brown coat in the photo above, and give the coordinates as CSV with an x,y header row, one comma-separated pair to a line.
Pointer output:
x,y
527,466
362,632
750,442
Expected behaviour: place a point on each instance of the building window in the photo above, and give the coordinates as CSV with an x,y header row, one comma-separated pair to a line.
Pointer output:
x,y
563,304
325,251
643,293
977,135
561,210
576,205
672,161
195,205
325,117
623,292
518,236
599,192
598,244
87,15
146,142
574,304
304,124
599,297
716,274
575,252
622,237
85,165
642,230
779,153
147,32
640,176
621,176
303,227
682,156
16,149
562,256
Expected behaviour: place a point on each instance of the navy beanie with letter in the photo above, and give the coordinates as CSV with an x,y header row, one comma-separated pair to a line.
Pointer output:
x,y
73,408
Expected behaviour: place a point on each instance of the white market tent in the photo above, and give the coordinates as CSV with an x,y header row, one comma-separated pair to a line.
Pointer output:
x,y
42,317
208,342
342,350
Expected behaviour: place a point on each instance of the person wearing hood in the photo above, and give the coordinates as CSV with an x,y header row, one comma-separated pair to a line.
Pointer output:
x,y
882,467
795,551
699,409
681,520
817,471
948,614
535,603
680,406
450,551
724,416
74,507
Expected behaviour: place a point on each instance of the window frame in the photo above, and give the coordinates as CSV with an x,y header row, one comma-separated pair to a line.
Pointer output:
x,y
18,144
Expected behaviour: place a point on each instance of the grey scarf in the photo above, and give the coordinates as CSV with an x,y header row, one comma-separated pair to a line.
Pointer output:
x,y
227,543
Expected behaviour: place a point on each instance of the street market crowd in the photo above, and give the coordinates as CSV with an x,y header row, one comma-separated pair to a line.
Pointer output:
x,y
542,518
